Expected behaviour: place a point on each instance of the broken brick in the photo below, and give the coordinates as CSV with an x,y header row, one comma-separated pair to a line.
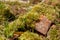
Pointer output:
x,y
43,25
16,35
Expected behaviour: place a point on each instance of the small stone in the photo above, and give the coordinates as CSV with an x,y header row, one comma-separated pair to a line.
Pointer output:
x,y
43,25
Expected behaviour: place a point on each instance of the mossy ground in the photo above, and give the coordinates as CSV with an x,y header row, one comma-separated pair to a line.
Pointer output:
x,y
13,21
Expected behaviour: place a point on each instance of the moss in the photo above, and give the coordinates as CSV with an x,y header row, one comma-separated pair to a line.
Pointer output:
x,y
5,14
54,1
53,34
23,20
46,10
29,36
28,20
2,37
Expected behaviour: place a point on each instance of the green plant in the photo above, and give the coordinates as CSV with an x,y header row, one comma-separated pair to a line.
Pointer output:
x,y
47,10
29,36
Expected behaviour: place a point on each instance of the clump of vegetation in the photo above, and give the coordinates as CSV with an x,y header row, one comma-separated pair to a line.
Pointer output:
x,y
13,20
46,10
53,34
29,36
24,21
5,14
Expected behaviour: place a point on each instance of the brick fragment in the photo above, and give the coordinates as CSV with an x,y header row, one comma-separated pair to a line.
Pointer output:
x,y
43,25
16,35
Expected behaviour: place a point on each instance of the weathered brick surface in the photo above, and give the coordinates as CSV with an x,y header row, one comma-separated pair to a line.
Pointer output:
x,y
43,25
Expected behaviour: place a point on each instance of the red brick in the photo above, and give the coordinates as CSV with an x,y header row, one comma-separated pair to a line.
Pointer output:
x,y
43,25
